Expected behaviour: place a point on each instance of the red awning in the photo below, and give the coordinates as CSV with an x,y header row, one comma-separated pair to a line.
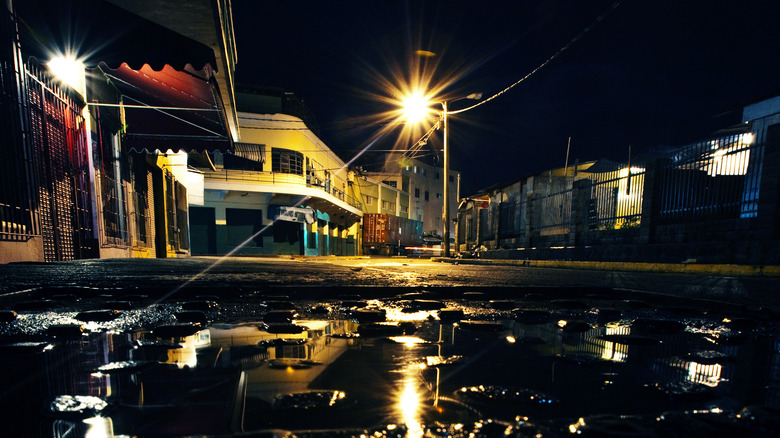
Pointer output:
x,y
169,109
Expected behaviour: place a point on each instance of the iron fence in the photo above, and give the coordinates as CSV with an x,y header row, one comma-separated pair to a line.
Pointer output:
x,y
615,197
19,214
61,168
713,179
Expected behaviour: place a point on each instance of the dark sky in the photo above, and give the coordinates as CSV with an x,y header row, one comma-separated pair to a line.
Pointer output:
x,y
652,73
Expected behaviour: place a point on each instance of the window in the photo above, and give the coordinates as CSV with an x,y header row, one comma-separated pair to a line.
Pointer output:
x,y
452,178
416,193
438,196
369,200
435,175
422,171
385,205
286,161
405,186
404,209
393,184
426,195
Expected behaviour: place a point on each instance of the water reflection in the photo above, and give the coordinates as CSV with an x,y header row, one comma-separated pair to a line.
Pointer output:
x,y
401,377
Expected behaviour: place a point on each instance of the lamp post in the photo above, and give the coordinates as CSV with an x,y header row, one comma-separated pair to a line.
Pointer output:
x,y
446,181
474,96
414,107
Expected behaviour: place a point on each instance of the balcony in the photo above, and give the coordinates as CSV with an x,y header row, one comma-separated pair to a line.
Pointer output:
x,y
278,181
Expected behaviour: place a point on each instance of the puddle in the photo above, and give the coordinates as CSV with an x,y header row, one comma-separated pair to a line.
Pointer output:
x,y
396,367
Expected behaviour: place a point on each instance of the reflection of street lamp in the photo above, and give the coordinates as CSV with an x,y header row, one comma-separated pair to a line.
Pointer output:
x,y
412,106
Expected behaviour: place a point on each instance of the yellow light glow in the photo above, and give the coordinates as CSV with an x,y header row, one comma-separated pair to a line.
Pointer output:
x,y
69,70
409,407
408,341
415,107
99,427
709,375
511,339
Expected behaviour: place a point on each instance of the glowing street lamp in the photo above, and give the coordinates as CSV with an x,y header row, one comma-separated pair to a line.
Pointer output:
x,y
68,70
417,106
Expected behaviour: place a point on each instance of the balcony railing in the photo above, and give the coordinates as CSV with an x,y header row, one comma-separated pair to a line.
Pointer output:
x,y
282,180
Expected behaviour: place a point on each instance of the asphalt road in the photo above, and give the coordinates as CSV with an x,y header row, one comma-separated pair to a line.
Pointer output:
x,y
377,276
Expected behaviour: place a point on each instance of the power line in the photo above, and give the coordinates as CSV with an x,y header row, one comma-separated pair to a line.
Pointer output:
x,y
547,61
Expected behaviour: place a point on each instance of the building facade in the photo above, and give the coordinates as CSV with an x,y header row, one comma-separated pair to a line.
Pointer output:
x,y
281,190
425,185
92,170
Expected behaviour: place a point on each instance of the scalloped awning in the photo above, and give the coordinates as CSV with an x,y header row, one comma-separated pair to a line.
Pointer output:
x,y
169,109
96,31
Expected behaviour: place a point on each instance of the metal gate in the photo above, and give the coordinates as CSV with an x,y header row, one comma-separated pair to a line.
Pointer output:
x,y
60,159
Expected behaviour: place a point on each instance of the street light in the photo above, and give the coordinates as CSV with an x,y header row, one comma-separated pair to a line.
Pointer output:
x,y
418,106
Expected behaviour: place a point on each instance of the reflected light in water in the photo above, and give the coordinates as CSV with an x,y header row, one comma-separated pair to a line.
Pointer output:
x,y
409,407
408,341
708,375
612,351
185,356
99,427
397,314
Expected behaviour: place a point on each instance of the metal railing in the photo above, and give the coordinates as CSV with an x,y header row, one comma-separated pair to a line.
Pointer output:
x,y
285,180
615,199
717,179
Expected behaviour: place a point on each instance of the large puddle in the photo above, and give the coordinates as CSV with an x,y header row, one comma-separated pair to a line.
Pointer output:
x,y
412,365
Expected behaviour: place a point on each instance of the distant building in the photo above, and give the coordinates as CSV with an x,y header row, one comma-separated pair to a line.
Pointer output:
x,y
280,191
425,185
381,197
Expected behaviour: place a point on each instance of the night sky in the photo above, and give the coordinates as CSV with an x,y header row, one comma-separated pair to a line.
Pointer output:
x,y
651,74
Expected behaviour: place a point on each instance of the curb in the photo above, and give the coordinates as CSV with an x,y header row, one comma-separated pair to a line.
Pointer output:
x,y
677,268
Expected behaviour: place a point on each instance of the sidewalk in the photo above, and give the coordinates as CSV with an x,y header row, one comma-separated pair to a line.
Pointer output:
x,y
676,268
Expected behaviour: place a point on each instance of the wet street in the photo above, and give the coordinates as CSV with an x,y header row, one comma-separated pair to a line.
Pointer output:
x,y
383,347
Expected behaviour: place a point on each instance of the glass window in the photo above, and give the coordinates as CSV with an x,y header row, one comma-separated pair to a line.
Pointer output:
x,y
416,193
435,175
286,161
426,195
391,183
438,195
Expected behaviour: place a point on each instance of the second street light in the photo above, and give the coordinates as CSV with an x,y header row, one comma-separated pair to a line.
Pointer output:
x,y
419,106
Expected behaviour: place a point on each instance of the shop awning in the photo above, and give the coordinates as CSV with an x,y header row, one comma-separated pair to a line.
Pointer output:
x,y
169,109
170,97
96,31
253,152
